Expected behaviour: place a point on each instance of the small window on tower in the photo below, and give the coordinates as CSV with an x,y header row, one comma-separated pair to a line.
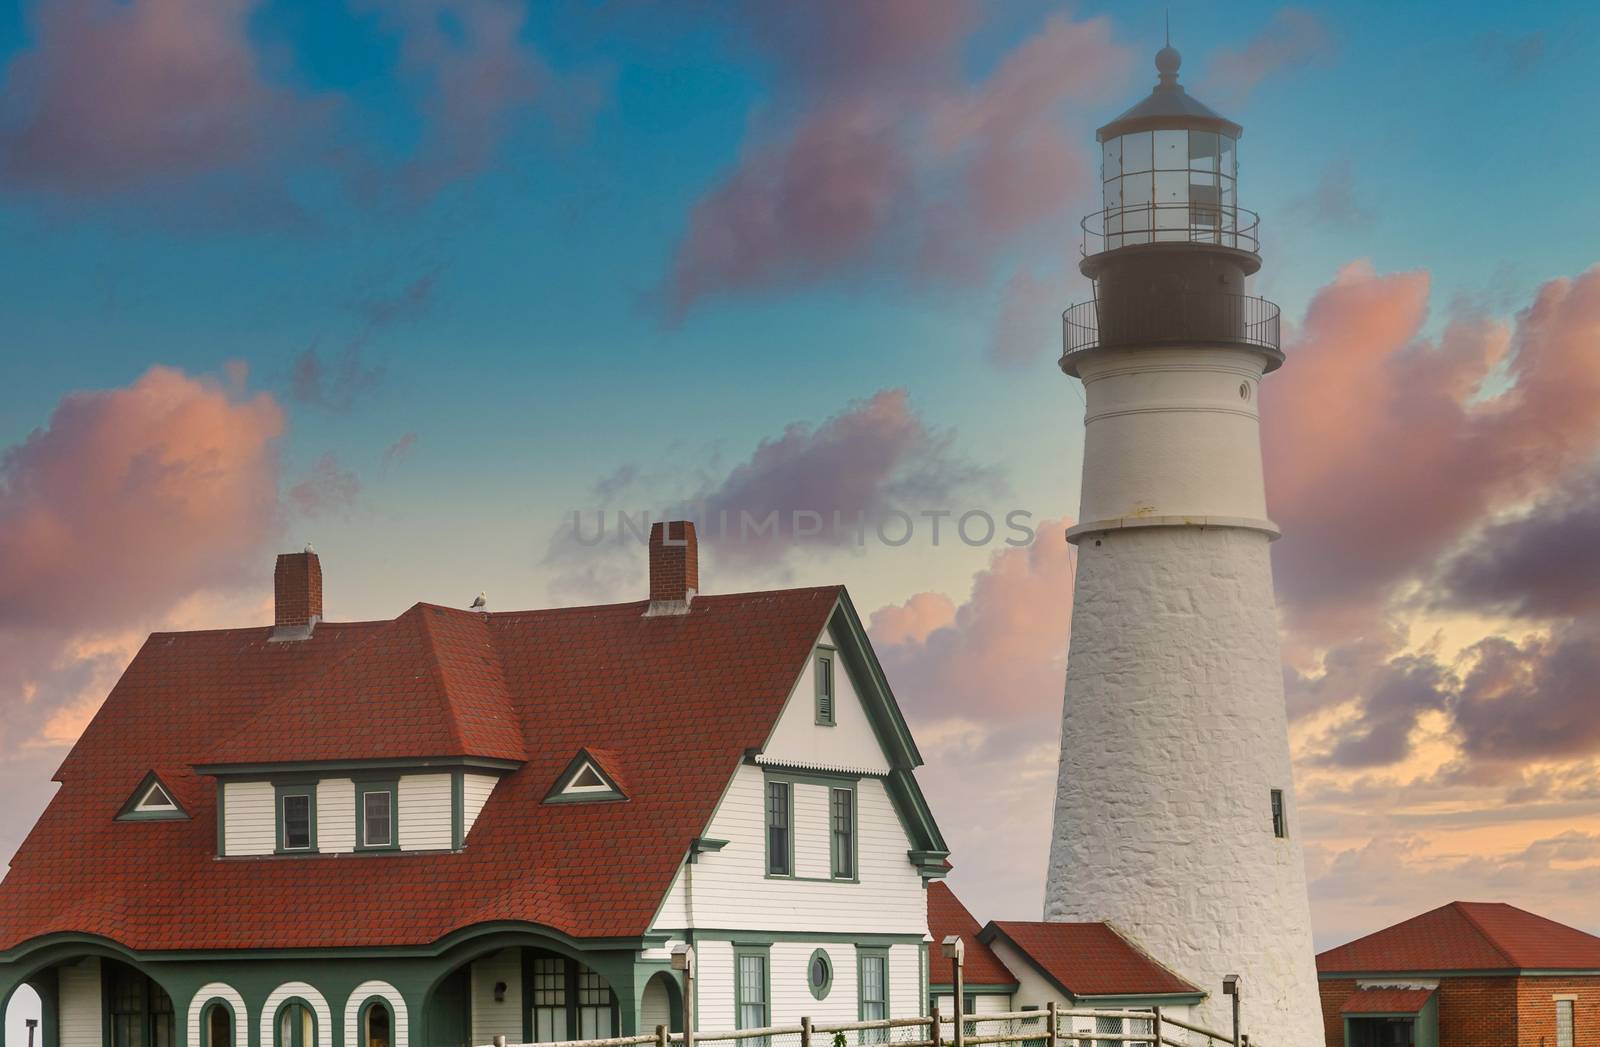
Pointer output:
x,y
1280,821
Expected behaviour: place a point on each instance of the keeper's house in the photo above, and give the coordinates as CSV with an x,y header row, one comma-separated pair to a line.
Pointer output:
x,y
1467,974
456,825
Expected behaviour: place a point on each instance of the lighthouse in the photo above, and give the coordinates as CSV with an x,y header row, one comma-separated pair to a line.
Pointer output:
x,y
1175,817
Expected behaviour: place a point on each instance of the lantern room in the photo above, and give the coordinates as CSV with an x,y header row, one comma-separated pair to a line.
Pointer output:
x,y
1169,172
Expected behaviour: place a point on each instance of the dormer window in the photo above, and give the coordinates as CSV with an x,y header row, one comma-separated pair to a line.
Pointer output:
x,y
586,779
377,818
151,801
297,818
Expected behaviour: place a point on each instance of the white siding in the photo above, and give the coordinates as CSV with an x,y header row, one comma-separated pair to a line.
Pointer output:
x,y
791,991
401,1031
336,815
490,1019
714,985
80,1004
249,823
475,790
275,999
425,814
812,855
850,744
731,891
655,1008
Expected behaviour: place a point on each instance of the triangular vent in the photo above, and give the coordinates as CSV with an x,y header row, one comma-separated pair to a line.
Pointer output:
x,y
585,779
153,800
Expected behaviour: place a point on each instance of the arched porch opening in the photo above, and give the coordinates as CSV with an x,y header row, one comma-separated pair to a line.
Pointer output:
x,y
530,988
661,1003
95,991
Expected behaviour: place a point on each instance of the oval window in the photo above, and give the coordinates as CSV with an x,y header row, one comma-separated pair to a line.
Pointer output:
x,y
819,976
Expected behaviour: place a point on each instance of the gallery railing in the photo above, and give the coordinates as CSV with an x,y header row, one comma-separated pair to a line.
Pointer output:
x,y
1195,318
1178,222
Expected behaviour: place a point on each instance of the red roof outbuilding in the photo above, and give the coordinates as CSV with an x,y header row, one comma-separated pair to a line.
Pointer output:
x,y
947,916
1089,959
1467,936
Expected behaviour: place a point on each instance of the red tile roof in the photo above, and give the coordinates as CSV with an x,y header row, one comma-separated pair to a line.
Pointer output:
x,y
1386,1001
430,677
1467,936
704,687
947,916
1088,959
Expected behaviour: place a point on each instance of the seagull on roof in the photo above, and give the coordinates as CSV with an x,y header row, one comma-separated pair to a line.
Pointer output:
x,y
481,602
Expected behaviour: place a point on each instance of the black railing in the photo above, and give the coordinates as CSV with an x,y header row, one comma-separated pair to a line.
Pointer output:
x,y
1178,223
1183,318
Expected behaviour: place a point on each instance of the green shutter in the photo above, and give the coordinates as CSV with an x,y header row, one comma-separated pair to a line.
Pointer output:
x,y
822,677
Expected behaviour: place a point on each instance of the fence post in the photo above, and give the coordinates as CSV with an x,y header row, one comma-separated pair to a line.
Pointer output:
x,y
936,1034
1155,1025
959,983
661,1036
805,1032
1054,1022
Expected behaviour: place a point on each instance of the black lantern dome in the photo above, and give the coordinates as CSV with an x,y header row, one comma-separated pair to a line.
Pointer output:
x,y
1171,249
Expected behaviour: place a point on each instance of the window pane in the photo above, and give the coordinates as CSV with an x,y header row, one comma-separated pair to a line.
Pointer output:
x,y
1203,151
1172,187
874,997
377,1026
1172,150
1136,155
1111,165
376,808
297,821
843,817
1227,156
778,828
1563,1023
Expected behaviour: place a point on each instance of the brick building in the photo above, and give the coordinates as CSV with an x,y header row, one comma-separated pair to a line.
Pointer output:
x,y
1468,974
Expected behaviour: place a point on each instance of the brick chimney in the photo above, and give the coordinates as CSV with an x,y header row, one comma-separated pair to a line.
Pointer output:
x,y
674,567
297,592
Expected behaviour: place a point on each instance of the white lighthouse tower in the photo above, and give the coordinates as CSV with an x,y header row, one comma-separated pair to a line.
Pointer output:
x,y
1175,815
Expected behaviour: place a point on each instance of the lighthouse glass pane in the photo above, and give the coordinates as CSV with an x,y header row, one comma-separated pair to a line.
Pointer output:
x,y
1228,159
1136,152
1136,202
1172,205
1202,150
1172,150
1113,159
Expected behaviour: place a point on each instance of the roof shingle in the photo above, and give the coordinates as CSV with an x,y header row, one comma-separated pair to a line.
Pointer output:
x,y
947,916
1089,959
1467,936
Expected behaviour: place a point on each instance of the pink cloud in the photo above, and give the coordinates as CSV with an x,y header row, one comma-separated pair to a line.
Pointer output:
x,y
125,505
1293,38
113,96
903,162
328,487
1368,422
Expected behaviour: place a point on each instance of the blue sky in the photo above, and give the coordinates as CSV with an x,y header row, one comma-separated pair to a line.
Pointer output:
x,y
458,295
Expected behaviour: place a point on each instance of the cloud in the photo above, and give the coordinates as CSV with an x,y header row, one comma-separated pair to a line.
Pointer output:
x,y
337,385
127,503
981,684
899,162
1369,422
1293,39
399,451
116,96
327,488
1532,700
409,303
1027,326
1541,563
1334,201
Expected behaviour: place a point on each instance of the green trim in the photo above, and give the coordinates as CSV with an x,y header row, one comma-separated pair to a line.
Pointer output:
x,y
557,794
863,954
1154,999
810,776
128,814
278,794
458,810
819,992
392,787
297,1038
703,845
853,874
862,663
742,937
767,782
947,989
1496,972
437,947
259,771
826,691
361,1019
740,951
205,1021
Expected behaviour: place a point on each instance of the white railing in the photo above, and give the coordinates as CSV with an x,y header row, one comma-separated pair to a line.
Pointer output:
x,y
1050,1027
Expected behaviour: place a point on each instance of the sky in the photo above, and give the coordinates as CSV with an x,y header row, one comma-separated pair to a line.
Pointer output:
x,y
417,280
